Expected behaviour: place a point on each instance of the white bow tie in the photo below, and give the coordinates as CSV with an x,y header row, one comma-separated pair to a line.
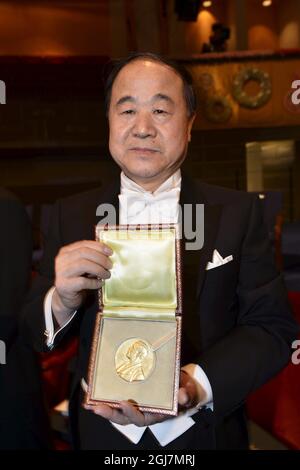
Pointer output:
x,y
144,207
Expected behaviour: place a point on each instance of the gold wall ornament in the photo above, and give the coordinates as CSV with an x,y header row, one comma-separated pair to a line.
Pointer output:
x,y
205,86
243,98
217,108
134,360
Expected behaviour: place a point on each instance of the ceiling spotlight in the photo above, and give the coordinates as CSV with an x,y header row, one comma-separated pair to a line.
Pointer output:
x,y
207,3
267,3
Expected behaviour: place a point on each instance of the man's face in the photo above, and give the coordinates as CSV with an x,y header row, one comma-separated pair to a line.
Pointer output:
x,y
148,120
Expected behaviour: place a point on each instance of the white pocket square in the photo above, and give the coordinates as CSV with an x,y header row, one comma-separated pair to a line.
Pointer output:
x,y
217,260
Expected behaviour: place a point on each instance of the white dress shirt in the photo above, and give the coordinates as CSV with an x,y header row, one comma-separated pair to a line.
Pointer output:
x,y
138,206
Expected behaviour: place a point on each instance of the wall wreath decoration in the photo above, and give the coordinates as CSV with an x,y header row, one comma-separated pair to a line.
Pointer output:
x,y
243,98
217,109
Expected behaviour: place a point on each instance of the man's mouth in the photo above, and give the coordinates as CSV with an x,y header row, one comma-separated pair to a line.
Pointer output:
x,y
144,149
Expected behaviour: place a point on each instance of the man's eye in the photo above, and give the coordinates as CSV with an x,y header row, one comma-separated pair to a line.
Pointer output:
x,y
128,111
160,111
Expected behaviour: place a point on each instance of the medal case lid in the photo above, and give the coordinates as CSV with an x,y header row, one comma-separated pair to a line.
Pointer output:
x,y
146,272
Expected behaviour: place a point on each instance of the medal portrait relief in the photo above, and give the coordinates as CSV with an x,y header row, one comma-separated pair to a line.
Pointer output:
x,y
134,360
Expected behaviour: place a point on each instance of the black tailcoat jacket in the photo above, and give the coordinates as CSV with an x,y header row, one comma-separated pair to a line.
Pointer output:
x,y
237,323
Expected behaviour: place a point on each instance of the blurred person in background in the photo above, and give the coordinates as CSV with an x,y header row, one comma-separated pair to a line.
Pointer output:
x,y
23,416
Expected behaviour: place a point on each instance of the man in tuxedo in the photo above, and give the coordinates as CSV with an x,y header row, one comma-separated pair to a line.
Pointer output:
x,y
23,417
237,327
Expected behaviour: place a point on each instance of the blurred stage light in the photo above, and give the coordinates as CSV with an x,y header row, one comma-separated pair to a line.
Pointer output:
x,y
207,3
267,3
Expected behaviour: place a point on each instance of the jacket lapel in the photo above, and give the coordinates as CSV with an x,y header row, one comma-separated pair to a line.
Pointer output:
x,y
212,216
194,264
198,259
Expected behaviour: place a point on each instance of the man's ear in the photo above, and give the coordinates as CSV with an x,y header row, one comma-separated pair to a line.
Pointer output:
x,y
190,126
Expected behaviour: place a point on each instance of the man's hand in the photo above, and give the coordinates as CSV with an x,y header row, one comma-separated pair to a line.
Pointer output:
x,y
188,397
77,269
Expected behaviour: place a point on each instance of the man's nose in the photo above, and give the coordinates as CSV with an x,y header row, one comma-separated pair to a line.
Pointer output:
x,y
144,127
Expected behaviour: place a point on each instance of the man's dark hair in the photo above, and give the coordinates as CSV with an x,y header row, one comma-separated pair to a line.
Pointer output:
x,y
186,77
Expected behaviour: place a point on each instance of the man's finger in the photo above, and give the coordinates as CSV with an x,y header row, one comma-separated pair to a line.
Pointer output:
x,y
183,397
86,254
141,419
153,418
77,285
85,283
128,414
133,414
84,267
92,244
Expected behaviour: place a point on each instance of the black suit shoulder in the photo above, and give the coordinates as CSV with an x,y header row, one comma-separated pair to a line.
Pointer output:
x,y
237,206
83,198
76,214
91,197
220,195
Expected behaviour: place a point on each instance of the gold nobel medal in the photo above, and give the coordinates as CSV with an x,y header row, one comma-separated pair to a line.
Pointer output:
x,y
134,360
